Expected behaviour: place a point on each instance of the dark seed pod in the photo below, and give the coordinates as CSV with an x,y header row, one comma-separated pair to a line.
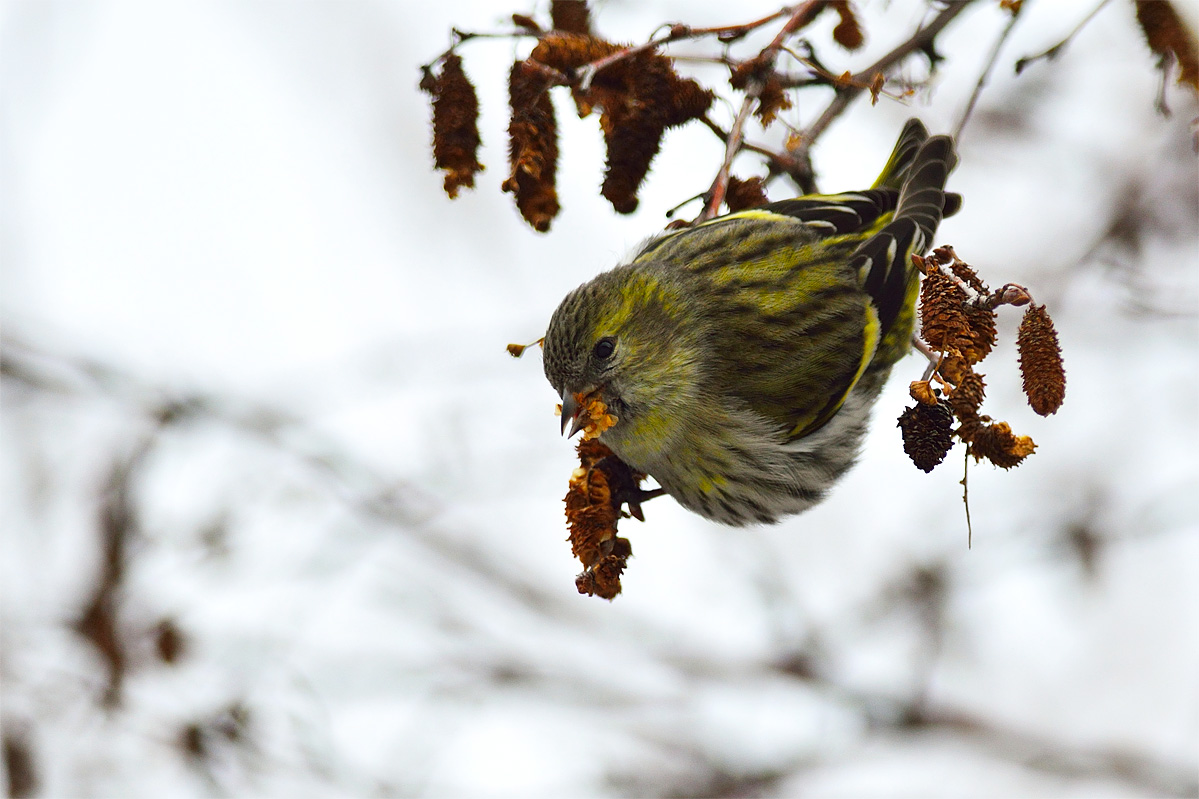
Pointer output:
x,y
927,433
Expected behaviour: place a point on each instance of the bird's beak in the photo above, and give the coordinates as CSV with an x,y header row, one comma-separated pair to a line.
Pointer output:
x,y
570,413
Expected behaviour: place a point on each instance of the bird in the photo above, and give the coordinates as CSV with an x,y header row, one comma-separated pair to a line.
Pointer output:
x,y
741,357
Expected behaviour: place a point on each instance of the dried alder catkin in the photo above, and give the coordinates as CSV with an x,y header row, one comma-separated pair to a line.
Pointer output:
x,y
1041,361
532,145
455,125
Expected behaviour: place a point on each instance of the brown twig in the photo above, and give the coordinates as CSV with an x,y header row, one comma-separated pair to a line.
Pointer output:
x,y
920,40
779,162
731,32
676,32
715,195
588,72
461,36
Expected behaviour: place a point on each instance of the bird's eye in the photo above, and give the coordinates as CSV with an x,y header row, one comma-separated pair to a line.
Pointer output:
x,y
604,348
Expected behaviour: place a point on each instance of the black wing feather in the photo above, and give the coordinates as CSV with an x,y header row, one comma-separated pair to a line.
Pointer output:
x,y
885,257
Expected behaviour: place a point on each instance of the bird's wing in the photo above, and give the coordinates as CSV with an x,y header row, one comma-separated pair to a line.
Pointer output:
x,y
800,295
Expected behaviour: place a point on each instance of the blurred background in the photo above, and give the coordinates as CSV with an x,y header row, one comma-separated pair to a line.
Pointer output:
x,y
281,517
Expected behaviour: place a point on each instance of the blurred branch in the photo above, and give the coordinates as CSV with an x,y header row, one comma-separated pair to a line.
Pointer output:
x,y
917,589
701,774
99,623
1149,775
986,73
381,498
19,763
1055,51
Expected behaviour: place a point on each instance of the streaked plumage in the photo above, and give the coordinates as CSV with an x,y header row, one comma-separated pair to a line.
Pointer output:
x,y
746,352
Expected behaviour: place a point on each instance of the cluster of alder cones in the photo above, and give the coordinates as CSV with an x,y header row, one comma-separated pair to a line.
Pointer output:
x,y
957,321
636,90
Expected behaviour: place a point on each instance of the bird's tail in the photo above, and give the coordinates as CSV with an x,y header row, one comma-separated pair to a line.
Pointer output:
x,y
911,137
918,168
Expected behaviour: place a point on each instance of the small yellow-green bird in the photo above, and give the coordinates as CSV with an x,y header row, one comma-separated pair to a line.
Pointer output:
x,y
741,357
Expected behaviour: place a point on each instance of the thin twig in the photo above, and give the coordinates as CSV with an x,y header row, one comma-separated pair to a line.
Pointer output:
x,y
966,498
727,32
713,126
777,162
934,360
461,36
678,32
920,40
588,72
1056,50
715,195
986,73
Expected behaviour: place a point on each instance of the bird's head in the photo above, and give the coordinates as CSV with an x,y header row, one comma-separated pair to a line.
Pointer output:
x,y
623,338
